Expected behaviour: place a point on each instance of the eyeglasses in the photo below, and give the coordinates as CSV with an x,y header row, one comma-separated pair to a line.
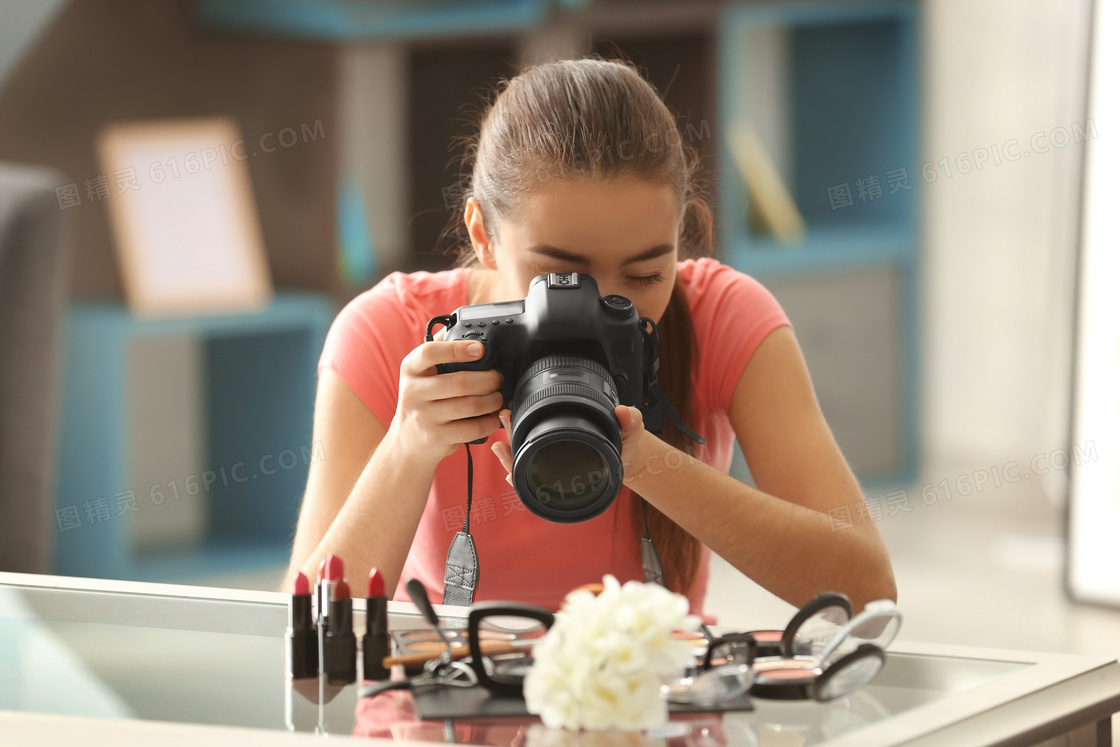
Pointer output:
x,y
733,647
500,636
724,673
501,667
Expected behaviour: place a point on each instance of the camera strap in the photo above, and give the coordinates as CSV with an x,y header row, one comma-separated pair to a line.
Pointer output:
x,y
651,561
460,572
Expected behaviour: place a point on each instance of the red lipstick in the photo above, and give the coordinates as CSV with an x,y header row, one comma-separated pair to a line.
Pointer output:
x,y
320,600
303,645
330,573
334,568
375,642
340,645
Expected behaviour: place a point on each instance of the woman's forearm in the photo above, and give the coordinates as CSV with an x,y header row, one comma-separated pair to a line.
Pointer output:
x,y
376,525
786,548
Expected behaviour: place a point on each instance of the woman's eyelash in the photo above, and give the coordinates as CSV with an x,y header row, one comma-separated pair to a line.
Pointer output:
x,y
643,279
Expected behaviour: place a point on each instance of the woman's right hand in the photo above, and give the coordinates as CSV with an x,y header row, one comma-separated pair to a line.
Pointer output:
x,y
437,412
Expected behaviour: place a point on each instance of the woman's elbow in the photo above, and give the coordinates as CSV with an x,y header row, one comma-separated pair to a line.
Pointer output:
x,y
878,583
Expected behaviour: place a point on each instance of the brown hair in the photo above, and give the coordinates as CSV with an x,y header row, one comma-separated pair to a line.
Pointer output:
x,y
597,119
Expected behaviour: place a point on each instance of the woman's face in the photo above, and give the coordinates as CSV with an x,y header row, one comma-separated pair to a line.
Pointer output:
x,y
623,233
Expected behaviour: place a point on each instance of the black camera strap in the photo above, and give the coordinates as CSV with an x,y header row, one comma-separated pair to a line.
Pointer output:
x,y
460,572
651,561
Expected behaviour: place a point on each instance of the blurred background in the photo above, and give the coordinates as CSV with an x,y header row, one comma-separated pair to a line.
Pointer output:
x,y
932,153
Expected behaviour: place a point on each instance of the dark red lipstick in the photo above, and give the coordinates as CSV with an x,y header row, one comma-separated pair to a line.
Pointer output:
x,y
375,642
330,573
340,645
303,644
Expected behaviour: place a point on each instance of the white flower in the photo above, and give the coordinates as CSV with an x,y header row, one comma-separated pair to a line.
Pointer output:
x,y
601,664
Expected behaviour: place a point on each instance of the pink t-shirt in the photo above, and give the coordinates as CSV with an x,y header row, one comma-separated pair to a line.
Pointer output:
x,y
522,556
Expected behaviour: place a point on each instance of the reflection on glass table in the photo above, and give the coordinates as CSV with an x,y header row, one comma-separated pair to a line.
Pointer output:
x,y
121,650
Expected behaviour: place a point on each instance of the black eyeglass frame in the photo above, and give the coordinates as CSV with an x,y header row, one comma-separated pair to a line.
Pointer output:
x,y
484,610
731,639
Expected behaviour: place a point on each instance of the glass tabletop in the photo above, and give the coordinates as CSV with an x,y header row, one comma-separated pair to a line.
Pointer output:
x,y
190,659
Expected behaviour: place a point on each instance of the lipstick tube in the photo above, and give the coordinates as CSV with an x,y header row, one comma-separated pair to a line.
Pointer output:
x,y
375,642
303,642
330,573
340,645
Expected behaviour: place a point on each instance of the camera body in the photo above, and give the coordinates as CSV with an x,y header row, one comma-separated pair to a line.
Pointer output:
x,y
562,314
568,358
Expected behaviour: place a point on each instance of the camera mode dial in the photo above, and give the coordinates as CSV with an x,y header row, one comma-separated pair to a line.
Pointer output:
x,y
619,306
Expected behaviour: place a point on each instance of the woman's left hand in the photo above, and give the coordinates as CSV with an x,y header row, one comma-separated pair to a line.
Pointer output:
x,y
630,418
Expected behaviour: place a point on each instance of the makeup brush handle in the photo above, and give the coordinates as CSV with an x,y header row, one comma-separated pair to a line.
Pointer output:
x,y
491,648
419,596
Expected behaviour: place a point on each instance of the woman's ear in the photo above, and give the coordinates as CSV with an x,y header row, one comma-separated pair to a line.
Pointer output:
x,y
476,229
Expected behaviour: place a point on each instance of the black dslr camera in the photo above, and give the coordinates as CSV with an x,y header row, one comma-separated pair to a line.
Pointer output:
x,y
568,357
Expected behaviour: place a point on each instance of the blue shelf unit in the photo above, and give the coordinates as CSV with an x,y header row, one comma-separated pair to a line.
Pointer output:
x,y
346,20
259,374
850,87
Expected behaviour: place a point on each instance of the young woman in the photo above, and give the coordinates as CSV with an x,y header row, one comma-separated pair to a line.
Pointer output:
x,y
579,166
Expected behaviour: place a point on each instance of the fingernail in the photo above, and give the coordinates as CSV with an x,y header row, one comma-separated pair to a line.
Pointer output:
x,y
474,348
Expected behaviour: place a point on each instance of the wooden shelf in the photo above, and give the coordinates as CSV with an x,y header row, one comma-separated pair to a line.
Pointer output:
x,y
833,89
345,20
259,370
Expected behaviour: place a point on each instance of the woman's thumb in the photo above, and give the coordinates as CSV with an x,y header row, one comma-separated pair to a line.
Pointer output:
x,y
635,417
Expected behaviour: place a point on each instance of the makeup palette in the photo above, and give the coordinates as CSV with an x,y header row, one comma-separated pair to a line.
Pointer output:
x,y
428,641
784,679
825,653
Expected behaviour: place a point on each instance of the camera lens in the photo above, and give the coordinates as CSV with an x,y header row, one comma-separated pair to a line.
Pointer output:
x,y
554,475
567,444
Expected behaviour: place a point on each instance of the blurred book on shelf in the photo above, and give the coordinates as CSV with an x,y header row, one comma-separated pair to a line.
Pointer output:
x,y
771,208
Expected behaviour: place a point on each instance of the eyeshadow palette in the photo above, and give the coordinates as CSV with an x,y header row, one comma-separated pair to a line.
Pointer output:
x,y
422,641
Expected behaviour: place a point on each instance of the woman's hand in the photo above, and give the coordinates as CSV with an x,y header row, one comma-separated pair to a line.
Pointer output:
x,y
437,412
630,418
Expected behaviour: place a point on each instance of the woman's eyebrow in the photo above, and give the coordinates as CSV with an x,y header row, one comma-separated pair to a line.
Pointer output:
x,y
551,251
